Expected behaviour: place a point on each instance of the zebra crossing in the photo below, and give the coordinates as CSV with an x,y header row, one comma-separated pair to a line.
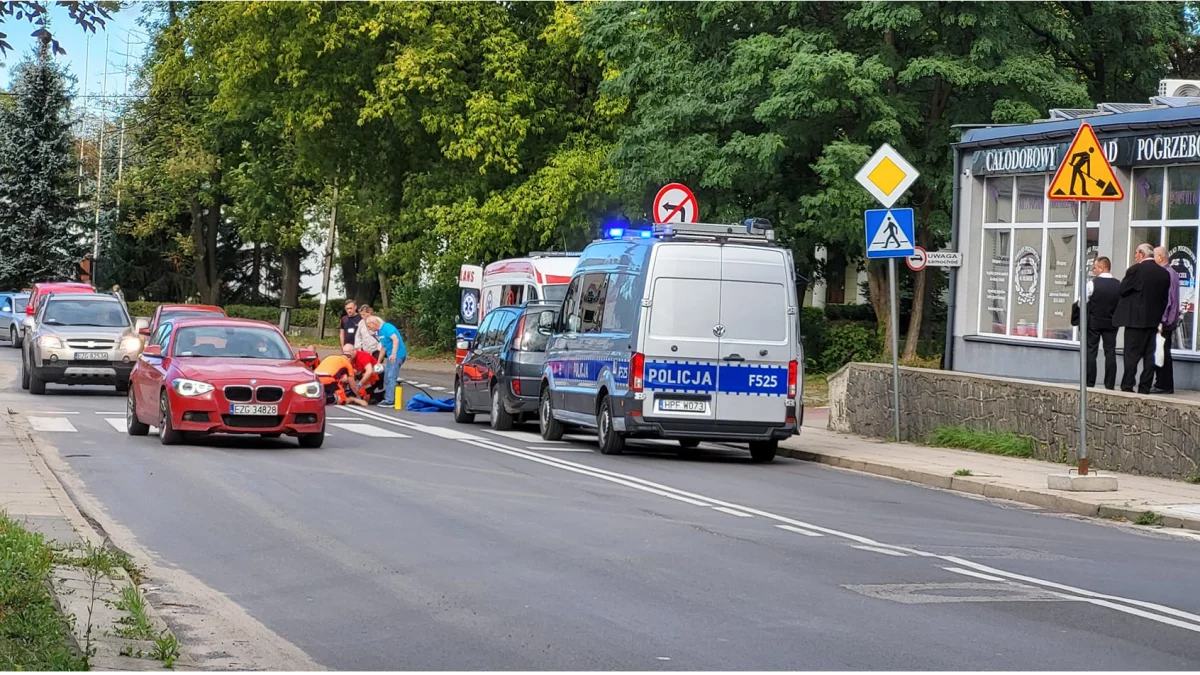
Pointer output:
x,y
74,422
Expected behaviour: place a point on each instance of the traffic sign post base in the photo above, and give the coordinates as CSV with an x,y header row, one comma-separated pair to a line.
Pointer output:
x,y
1071,482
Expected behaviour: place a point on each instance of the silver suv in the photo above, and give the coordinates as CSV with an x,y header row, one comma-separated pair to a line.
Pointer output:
x,y
79,338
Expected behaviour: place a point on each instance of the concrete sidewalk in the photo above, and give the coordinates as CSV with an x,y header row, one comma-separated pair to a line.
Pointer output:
x,y
1021,480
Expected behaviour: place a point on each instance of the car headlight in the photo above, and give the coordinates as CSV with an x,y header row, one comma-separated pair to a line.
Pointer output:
x,y
131,344
309,389
185,387
49,342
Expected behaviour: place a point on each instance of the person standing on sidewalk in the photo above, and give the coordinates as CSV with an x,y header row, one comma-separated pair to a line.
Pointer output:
x,y
1103,292
392,357
349,323
364,339
1140,309
1164,375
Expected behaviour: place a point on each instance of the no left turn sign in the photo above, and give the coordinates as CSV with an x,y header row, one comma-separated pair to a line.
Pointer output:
x,y
675,203
916,261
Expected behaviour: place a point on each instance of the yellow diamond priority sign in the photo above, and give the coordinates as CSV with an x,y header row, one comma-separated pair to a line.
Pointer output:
x,y
887,175
1085,174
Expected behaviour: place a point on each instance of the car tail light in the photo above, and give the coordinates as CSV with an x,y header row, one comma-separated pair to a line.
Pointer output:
x,y
637,370
516,386
793,373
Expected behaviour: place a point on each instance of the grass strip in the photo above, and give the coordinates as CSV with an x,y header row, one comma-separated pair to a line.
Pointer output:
x,y
1003,443
33,634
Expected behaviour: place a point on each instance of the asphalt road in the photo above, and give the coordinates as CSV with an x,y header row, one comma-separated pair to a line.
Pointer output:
x,y
409,542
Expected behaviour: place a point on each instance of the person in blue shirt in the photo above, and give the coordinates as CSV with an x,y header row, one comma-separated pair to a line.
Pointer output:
x,y
391,356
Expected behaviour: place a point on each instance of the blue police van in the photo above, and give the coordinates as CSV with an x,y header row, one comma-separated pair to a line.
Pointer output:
x,y
681,331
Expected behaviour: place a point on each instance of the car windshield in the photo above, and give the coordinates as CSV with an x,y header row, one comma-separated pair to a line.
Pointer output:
x,y
101,313
231,342
554,293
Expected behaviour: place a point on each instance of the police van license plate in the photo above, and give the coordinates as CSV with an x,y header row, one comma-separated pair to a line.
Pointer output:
x,y
252,409
91,356
677,405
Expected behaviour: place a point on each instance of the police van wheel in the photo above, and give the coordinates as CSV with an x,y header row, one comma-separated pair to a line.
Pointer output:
x,y
611,442
502,420
763,451
460,406
552,429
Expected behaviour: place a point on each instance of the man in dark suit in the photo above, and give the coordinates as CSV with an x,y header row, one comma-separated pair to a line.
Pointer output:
x,y
1143,300
1103,292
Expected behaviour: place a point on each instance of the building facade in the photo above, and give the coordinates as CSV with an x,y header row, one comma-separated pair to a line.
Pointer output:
x,y
1012,297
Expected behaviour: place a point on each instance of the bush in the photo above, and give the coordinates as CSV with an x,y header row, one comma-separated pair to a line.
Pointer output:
x,y
813,331
848,342
425,315
864,312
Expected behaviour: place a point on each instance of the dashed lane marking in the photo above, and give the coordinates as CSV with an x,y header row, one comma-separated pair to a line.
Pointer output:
x,y
52,424
877,549
797,530
732,512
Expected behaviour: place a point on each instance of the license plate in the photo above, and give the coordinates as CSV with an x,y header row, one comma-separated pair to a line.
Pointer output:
x,y
676,405
91,356
252,409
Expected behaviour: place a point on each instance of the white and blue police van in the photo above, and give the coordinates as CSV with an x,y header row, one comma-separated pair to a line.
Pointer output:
x,y
681,331
542,275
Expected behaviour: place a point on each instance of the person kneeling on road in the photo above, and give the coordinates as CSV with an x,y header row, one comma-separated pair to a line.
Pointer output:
x,y
370,382
336,374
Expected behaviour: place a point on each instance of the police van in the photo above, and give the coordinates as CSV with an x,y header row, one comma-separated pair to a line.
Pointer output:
x,y
682,331
542,275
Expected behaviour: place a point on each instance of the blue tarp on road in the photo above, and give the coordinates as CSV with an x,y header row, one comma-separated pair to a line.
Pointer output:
x,y
423,403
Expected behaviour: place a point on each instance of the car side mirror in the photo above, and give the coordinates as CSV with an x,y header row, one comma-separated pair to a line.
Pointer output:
x,y
29,309
6,309
143,326
153,351
27,323
546,321
306,355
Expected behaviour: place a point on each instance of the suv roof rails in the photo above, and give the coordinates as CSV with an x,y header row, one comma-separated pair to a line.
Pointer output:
x,y
751,230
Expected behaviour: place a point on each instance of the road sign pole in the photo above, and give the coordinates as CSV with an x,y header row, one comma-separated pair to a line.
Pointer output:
x,y
1083,352
895,350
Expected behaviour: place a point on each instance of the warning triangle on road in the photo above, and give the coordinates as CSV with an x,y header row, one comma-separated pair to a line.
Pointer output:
x,y
890,236
1085,174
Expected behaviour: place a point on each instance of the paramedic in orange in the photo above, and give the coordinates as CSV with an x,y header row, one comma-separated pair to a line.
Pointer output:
x,y
336,374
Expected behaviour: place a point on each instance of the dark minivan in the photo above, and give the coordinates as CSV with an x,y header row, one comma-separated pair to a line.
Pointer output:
x,y
503,366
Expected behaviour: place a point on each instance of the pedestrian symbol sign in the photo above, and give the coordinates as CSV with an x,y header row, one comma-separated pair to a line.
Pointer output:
x,y
890,233
1085,174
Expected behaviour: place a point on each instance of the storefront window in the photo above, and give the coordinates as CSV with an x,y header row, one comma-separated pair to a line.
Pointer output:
x,y
1181,254
1031,197
1182,202
1147,194
998,193
1068,212
1026,282
1062,250
996,252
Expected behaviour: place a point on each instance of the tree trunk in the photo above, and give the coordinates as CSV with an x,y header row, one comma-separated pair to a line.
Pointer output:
x,y
913,338
877,285
383,289
289,290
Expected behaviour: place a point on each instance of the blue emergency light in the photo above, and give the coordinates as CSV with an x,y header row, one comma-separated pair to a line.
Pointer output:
x,y
616,232
622,232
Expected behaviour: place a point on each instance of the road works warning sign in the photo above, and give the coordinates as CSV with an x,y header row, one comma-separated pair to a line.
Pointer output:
x,y
1085,174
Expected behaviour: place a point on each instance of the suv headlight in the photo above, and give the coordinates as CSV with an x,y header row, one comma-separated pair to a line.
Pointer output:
x,y
49,342
185,387
131,344
309,389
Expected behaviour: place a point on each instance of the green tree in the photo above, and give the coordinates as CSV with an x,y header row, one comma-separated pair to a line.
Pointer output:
x,y
87,15
37,176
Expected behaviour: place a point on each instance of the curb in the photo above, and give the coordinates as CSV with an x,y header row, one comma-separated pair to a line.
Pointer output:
x,y
1044,499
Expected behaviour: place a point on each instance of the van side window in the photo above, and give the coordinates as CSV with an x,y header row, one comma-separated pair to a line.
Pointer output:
x,y
620,306
569,319
512,294
591,302
532,293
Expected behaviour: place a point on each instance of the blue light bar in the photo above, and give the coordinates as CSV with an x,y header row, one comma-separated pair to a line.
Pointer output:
x,y
616,232
645,234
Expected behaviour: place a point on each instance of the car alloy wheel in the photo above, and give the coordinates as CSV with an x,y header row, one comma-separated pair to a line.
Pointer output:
x,y
132,425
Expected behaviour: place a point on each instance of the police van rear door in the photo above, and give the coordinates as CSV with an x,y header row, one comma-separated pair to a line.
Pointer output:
x,y
755,334
679,344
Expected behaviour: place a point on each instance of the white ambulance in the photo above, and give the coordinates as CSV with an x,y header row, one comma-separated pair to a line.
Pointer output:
x,y
541,275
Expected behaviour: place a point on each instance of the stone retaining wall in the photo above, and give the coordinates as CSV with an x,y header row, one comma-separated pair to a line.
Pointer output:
x,y
1152,436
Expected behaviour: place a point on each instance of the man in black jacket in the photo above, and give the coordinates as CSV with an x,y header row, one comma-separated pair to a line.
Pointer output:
x,y
1103,292
1140,310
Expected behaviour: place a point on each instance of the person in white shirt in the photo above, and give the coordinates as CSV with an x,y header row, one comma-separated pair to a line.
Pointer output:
x,y
365,340
1103,292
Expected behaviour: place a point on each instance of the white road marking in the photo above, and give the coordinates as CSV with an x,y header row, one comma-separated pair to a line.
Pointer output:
x,y
437,389
117,423
53,412
520,436
369,430
797,530
342,419
977,575
732,512
558,448
877,549
1099,599
51,424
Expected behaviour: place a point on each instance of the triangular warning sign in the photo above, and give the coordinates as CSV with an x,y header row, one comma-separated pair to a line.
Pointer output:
x,y
890,236
1085,174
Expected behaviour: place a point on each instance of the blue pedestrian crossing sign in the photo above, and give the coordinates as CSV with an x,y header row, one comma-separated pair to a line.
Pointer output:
x,y
890,233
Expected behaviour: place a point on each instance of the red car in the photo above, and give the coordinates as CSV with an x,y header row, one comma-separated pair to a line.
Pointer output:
x,y
45,288
169,312
224,376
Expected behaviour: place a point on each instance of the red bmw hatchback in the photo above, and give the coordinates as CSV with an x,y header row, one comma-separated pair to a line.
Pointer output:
x,y
224,376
